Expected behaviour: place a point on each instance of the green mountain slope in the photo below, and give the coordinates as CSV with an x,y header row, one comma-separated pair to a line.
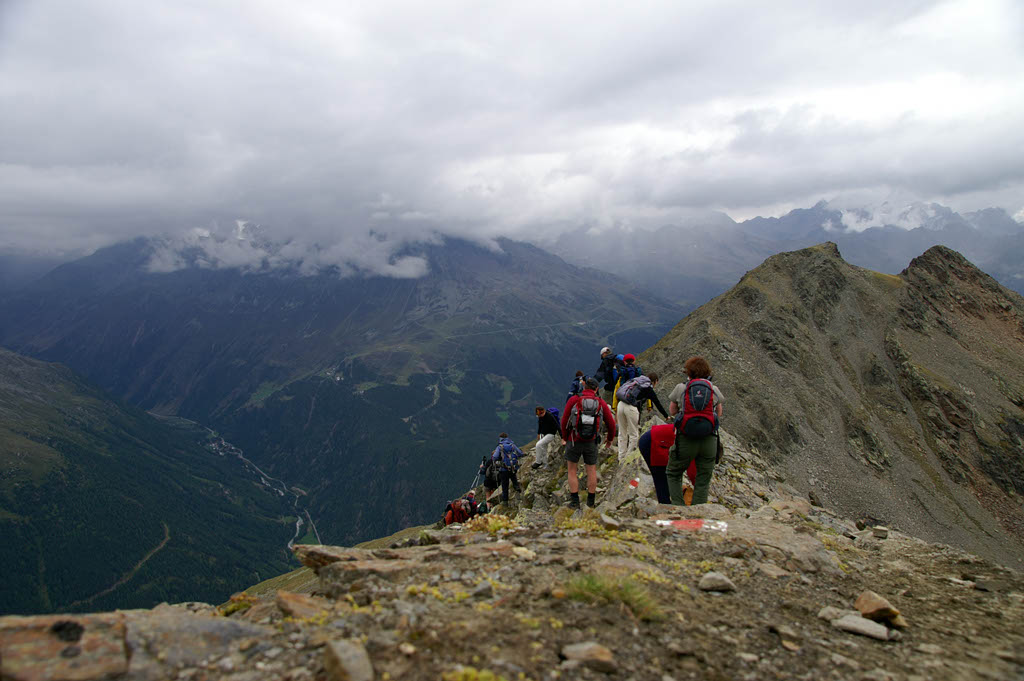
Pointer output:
x,y
103,506
376,394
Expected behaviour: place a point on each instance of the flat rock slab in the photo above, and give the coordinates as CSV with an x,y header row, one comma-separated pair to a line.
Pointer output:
x,y
347,660
804,551
301,606
336,578
591,654
316,556
68,647
716,581
164,639
855,624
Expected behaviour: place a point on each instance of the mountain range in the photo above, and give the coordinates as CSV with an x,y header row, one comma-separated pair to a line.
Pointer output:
x,y
377,395
691,261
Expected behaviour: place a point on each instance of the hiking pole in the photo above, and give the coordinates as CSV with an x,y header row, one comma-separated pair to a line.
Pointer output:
x,y
473,485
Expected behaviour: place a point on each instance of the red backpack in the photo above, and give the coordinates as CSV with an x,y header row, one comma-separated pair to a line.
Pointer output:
x,y
697,418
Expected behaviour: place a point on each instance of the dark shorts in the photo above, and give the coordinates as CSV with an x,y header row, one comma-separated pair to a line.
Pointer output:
x,y
588,450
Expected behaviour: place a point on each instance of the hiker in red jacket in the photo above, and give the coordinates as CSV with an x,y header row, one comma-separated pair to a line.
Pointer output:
x,y
582,420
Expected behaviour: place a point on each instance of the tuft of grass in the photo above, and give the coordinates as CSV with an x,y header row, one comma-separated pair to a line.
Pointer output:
x,y
492,523
611,590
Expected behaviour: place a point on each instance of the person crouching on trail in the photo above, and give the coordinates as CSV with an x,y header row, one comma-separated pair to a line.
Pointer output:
x,y
548,434
582,419
654,446
506,457
632,394
697,406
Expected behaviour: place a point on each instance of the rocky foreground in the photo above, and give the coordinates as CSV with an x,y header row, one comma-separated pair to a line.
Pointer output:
x,y
761,585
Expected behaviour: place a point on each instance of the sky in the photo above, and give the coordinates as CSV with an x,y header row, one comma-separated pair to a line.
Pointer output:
x,y
364,126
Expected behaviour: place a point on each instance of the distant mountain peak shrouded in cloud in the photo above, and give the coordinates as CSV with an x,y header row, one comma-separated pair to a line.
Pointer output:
x,y
508,120
251,248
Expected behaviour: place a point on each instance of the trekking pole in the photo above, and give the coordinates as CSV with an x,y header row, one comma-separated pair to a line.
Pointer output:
x,y
473,485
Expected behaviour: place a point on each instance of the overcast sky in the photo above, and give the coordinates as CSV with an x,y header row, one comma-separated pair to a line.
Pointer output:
x,y
324,120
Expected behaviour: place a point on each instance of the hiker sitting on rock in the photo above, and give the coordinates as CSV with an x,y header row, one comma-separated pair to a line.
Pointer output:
x,y
697,406
548,433
458,512
582,419
506,457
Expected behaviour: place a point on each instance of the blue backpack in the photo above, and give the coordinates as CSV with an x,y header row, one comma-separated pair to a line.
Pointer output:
x,y
554,411
628,373
507,454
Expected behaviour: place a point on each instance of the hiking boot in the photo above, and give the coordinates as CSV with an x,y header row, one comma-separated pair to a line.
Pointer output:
x,y
574,504
590,503
536,465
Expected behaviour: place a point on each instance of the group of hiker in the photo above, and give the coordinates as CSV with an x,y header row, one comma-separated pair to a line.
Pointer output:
x,y
687,444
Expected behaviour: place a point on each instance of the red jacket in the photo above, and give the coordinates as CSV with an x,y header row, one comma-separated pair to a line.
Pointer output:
x,y
663,437
606,415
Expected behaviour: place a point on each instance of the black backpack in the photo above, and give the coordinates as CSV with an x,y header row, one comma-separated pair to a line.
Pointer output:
x,y
585,418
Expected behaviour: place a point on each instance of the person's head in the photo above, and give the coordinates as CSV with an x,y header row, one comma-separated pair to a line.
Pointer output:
x,y
539,410
605,351
578,374
697,367
654,378
629,358
592,383
470,494
503,436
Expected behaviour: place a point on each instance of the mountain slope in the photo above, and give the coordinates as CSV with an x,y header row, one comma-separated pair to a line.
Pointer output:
x,y
334,382
103,506
894,397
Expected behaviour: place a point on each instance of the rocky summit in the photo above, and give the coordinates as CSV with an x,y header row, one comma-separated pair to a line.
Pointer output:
x,y
761,584
896,398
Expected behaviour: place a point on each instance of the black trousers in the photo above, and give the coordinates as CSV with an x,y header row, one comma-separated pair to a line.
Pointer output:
x,y
657,472
507,475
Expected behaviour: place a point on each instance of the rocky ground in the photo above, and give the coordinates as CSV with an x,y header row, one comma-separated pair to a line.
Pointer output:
x,y
760,585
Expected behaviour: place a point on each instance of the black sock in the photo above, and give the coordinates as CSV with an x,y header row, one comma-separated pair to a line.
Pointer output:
x,y
590,498
575,496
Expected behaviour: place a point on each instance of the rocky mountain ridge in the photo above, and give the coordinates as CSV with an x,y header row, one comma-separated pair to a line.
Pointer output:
x,y
761,584
893,396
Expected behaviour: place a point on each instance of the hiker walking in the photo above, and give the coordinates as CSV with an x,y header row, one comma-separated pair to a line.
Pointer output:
x,y
548,434
582,419
607,372
697,406
631,395
489,472
506,457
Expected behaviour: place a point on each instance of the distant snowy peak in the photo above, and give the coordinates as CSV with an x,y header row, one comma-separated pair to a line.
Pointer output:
x,y
915,215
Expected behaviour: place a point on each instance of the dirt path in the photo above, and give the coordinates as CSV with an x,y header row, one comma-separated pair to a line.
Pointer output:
x,y
128,575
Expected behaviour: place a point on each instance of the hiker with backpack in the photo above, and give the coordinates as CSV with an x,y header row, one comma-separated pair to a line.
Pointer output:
x,y
697,407
506,458
577,385
457,511
582,419
548,434
488,471
607,372
626,371
631,395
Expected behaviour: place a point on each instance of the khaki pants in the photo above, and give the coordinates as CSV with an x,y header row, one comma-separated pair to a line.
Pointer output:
x,y
627,419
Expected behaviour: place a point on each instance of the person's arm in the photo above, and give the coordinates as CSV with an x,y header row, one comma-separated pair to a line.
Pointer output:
x,y
540,425
609,419
653,397
565,417
673,408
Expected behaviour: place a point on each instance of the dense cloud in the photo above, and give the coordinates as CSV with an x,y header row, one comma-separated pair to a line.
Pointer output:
x,y
336,123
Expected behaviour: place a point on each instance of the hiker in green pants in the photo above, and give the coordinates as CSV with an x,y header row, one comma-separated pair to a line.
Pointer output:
x,y
698,404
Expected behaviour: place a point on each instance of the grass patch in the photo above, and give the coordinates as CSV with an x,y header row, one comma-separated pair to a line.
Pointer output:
x,y
626,591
